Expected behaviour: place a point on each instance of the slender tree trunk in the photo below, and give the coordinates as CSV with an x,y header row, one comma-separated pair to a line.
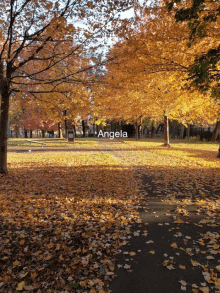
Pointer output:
x,y
65,123
215,131
4,110
60,134
188,131
139,128
201,134
166,131
182,131
136,130
43,133
37,133
83,128
30,133
152,129
25,133
74,128
93,130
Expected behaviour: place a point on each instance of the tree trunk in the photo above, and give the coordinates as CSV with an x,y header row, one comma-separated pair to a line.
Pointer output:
x,y
139,127
74,128
43,133
215,131
83,128
93,129
60,134
182,131
65,123
4,110
188,131
152,129
201,134
166,131
25,133
136,130
30,133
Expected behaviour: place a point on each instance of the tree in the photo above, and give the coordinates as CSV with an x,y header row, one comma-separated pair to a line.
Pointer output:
x,y
202,18
37,36
148,75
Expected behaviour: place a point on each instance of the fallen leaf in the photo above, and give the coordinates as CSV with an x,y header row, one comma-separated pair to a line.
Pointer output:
x,y
20,286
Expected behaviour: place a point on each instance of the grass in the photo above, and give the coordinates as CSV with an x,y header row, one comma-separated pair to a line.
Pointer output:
x,y
50,142
65,215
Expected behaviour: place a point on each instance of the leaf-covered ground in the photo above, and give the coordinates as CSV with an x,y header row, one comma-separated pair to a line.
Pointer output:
x,y
66,215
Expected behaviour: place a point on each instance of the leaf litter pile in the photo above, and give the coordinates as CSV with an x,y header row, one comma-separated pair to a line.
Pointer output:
x,y
64,217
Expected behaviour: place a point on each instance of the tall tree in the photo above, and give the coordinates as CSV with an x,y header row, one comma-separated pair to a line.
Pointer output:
x,y
38,35
203,21
148,75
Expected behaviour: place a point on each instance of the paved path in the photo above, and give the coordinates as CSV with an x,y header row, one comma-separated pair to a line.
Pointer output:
x,y
157,266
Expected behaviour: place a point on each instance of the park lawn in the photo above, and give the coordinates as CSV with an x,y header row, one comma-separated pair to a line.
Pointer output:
x,y
63,218
51,142
64,215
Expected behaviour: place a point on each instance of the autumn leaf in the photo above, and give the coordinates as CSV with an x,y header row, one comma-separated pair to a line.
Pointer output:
x,y
16,263
20,286
33,275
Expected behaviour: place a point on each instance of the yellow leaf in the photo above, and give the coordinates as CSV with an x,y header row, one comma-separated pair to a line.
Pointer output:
x,y
23,275
132,253
195,290
204,289
83,283
179,221
105,261
61,257
22,242
182,267
111,268
174,245
50,245
15,263
170,267
58,247
152,252
20,286
194,263
91,283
